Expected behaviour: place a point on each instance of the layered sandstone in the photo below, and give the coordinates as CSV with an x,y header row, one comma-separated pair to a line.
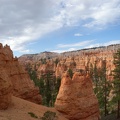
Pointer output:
x,y
76,99
23,87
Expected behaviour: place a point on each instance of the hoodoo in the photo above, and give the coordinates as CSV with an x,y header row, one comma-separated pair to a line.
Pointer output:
x,y
12,73
76,99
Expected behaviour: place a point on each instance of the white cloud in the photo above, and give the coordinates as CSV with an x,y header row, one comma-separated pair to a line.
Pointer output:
x,y
103,44
112,42
25,51
65,50
89,46
104,13
71,47
79,44
22,22
78,34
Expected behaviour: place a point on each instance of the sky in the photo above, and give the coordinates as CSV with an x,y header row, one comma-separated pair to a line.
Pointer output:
x,y
34,26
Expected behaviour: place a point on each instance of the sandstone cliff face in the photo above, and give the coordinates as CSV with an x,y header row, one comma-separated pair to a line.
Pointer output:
x,y
23,87
76,99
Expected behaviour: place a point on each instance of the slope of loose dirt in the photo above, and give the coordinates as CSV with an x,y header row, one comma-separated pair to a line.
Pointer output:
x,y
20,108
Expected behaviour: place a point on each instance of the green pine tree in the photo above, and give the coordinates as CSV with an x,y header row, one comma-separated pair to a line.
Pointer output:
x,y
49,87
102,86
70,72
95,79
116,82
104,89
48,84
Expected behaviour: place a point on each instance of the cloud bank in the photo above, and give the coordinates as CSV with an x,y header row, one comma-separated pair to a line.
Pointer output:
x,y
84,44
22,22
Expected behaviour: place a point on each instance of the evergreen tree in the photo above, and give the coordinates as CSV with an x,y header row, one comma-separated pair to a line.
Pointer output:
x,y
49,87
70,72
41,86
90,70
56,61
48,84
33,76
104,89
102,86
95,79
43,61
116,82
58,83
47,90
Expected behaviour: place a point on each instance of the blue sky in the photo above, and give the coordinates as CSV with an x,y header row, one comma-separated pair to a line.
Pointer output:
x,y
35,26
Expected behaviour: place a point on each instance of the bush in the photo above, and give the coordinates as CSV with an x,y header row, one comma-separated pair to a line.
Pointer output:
x,y
32,115
49,115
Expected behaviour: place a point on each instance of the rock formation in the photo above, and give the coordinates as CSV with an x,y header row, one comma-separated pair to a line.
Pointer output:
x,y
23,87
5,89
76,99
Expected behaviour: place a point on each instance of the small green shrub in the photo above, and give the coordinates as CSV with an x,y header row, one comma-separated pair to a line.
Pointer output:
x,y
32,115
49,115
